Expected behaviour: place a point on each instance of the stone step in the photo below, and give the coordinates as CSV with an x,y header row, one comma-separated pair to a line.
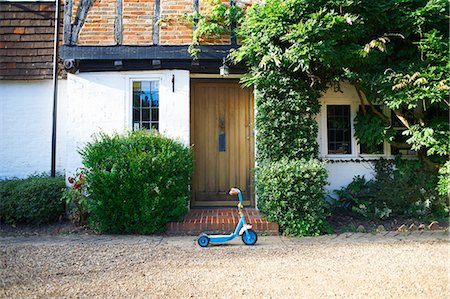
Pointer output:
x,y
220,221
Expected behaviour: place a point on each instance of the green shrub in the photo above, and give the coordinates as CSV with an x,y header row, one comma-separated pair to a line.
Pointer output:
x,y
136,182
403,188
292,193
35,200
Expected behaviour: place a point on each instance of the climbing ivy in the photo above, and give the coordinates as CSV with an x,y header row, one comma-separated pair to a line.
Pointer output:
x,y
213,22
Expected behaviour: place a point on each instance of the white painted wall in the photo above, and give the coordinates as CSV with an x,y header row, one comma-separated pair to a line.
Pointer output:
x,y
102,102
342,171
340,174
92,102
26,109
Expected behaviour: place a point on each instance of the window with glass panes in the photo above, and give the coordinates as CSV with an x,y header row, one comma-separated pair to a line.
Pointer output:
x,y
339,130
145,105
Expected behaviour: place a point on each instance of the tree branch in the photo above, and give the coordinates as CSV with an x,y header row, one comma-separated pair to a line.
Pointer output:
x,y
402,118
372,107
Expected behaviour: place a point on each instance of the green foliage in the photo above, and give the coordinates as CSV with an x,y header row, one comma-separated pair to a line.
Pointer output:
x,y
213,23
395,52
371,130
35,200
291,192
287,127
137,182
400,188
444,180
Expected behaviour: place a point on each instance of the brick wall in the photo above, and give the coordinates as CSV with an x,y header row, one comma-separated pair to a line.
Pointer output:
x,y
174,28
205,6
99,25
138,22
138,19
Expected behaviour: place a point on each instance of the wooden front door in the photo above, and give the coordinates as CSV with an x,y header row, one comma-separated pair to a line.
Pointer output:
x,y
223,141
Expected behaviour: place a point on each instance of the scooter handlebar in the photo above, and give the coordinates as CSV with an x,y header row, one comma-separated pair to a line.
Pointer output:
x,y
236,191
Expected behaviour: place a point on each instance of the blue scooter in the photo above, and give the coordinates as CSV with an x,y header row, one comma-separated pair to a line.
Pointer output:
x,y
249,236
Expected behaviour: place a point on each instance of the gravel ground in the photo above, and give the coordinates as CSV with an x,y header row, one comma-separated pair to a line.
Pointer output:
x,y
349,265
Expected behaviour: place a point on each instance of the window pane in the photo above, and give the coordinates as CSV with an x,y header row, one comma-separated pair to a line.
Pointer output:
x,y
136,117
155,114
145,100
339,129
145,114
146,126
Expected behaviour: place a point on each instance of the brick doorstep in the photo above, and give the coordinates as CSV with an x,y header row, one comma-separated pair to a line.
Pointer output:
x,y
220,221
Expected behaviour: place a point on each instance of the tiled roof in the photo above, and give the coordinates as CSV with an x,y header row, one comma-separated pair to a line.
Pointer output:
x,y
26,40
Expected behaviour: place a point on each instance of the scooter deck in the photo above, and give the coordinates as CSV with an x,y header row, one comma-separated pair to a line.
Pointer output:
x,y
221,238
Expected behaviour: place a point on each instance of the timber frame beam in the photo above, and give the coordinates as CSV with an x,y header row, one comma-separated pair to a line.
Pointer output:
x,y
175,52
72,31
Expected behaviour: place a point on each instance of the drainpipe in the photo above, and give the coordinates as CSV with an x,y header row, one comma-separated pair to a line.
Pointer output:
x,y
55,86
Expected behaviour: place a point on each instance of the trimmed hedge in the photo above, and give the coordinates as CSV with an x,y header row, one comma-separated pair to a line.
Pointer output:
x,y
137,182
291,193
34,200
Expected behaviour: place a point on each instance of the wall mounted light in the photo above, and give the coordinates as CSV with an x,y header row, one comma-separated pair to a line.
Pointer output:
x,y
224,69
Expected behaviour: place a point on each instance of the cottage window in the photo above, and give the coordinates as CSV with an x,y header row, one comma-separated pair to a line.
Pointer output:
x,y
146,105
339,131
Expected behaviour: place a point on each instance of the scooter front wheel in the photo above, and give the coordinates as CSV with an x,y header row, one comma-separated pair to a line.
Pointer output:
x,y
203,240
249,237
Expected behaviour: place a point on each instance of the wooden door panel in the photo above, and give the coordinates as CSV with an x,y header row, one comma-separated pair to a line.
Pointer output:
x,y
221,107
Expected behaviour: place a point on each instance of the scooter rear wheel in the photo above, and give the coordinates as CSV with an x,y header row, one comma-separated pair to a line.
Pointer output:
x,y
249,237
203,240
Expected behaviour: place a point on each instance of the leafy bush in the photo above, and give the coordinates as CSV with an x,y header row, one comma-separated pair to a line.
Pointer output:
x,y
136,182
291,192
400,188
36,200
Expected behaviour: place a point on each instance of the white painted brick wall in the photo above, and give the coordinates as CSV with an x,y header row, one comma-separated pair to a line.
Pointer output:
x,y
92,102
26,109
101,102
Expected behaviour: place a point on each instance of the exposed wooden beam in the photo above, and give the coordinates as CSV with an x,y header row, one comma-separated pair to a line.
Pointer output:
x,y
157,16
196,7
118,22
67,21
169,52
80,17
233,26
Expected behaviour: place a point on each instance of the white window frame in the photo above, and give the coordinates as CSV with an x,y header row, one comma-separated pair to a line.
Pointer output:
x,y
324,129
354,102
129,97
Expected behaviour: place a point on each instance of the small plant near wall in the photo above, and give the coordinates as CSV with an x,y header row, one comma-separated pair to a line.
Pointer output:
x,y
77,196
137,182
401,188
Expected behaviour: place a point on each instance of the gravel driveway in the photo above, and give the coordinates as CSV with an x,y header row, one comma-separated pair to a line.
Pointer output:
x,y
345,266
